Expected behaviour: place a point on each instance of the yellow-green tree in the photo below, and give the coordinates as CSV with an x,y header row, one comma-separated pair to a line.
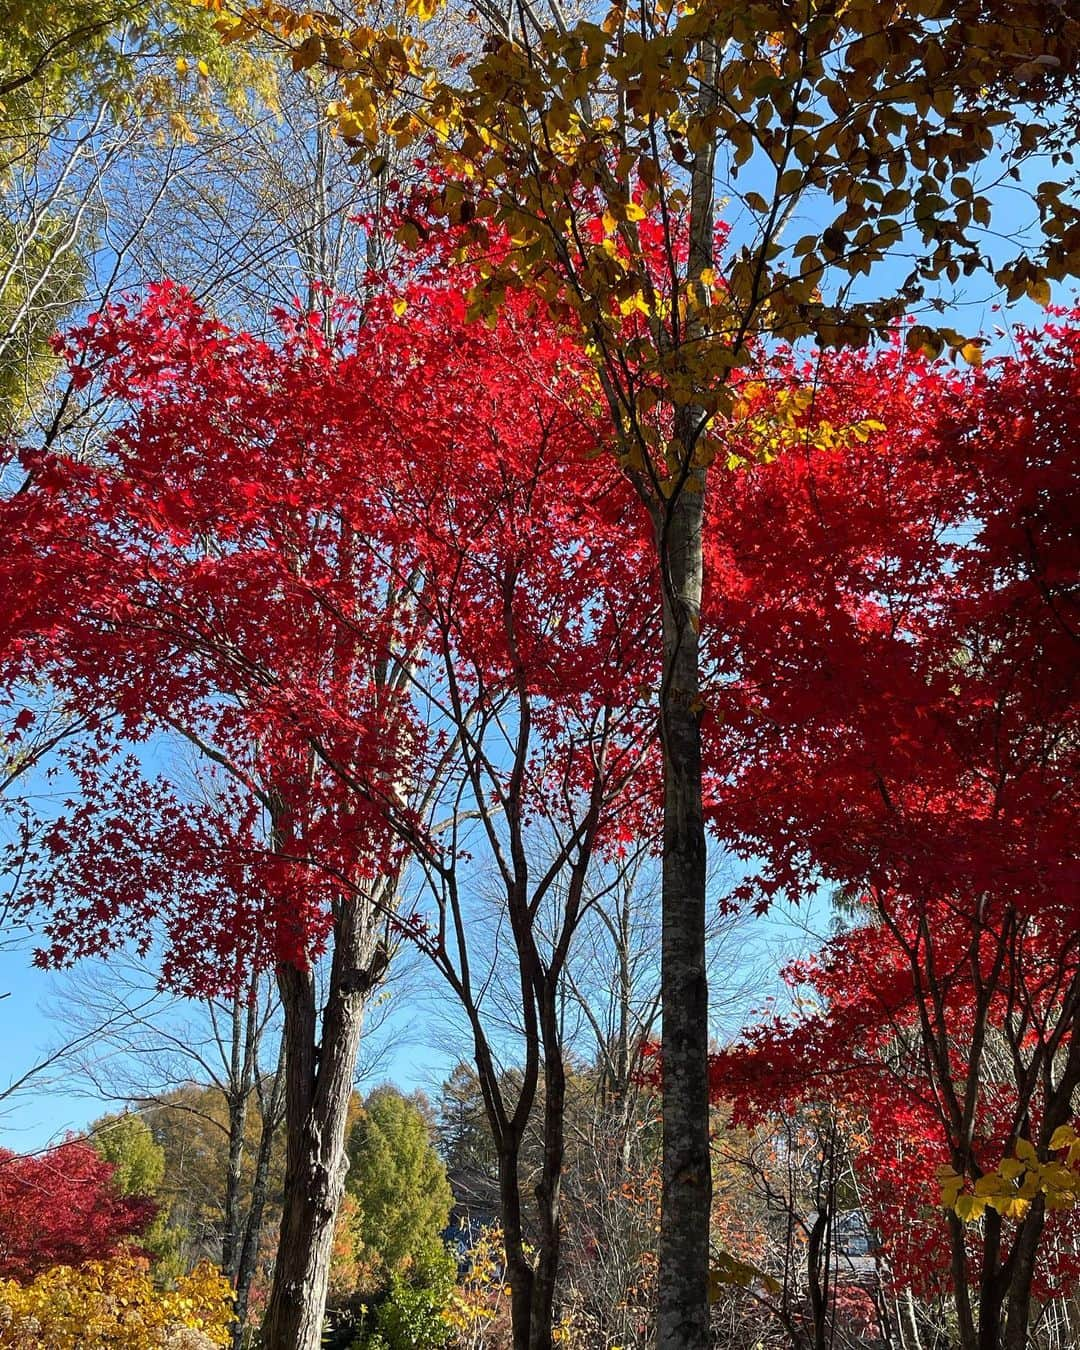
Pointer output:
x,y
399,1183
128,1143
82,84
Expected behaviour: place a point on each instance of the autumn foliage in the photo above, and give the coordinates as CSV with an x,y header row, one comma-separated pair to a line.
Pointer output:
x,y
897,620
115,1305
325,562
59,1208
268,533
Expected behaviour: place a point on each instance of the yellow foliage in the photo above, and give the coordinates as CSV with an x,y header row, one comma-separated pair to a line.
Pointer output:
x,y
727,1270
972,353
1017,1180
484,1292
113,1305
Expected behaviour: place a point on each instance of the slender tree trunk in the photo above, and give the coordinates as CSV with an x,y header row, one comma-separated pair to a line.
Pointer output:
x,y
230,1239
817,1271
686,1199
961,1290
991,1285
241,1081
911,1321
519,1271
687,1182
318,1087
1018,1307
249,1251
548,1192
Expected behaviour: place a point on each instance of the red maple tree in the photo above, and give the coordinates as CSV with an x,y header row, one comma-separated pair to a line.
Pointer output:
x,y
379,582
897,628
60,1208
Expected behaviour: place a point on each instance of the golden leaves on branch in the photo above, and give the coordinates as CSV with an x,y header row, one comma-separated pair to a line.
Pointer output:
x,y
1012,1186
882,119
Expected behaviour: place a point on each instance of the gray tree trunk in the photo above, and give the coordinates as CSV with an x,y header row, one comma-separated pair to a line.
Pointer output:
x,y
686,1197
236,1102
687,1180
319,1076
249,1250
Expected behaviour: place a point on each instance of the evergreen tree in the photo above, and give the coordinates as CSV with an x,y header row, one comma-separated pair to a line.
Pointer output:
x,y
400,1184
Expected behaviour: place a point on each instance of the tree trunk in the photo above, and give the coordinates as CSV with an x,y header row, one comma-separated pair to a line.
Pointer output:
x,y
817,1272
686,1198
249,1251
911,1321
1018,1308
230,1240
318,1088
519,1271
548,1191
991,1284
961,1291
687,1182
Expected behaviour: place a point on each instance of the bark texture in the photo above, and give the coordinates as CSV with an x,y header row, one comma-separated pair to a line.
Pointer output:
x,y
319,1074
686,1198
270,1100
687,1181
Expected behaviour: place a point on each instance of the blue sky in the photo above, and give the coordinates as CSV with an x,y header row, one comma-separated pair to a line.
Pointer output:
x,y
413,1038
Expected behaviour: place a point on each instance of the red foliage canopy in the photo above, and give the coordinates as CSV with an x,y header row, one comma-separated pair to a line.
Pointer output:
x,y
60,1208
321,561
897,626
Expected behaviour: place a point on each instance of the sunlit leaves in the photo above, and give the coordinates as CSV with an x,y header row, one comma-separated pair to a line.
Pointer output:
x,y
61,1208
895,717
1012,1186
115,1305
892,139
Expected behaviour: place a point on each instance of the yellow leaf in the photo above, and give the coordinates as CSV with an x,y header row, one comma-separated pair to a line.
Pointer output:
x,y
1011,1206
970,1207
1024,1147
991,1184
1039,291
400,306
972,353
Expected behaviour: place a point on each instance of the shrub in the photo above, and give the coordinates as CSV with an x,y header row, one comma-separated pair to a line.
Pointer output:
x,y
411,1317
113,1305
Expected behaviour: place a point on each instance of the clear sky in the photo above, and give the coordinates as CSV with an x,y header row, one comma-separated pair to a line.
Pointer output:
x,y
407,1046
